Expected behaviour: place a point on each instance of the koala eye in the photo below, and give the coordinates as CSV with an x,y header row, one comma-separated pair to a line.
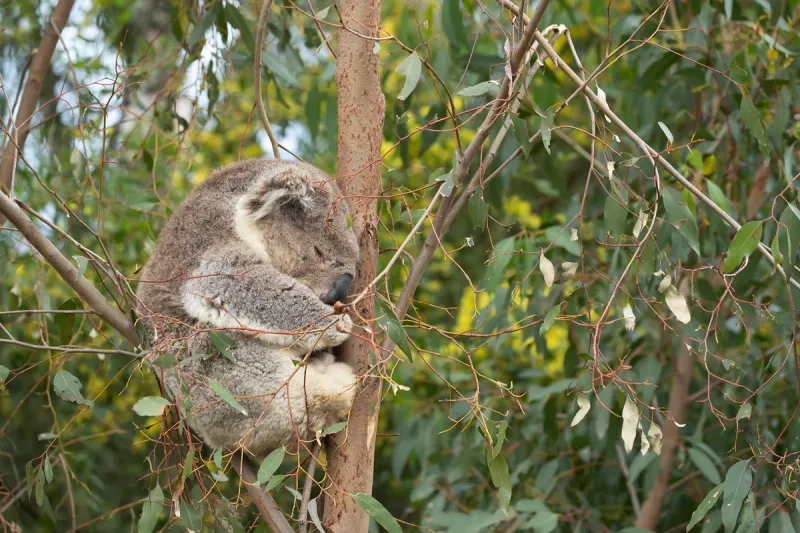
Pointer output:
x,y
318,252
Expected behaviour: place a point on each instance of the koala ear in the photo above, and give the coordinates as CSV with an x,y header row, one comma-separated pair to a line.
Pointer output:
x,y
270,193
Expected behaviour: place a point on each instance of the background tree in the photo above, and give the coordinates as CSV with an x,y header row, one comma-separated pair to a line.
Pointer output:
x,y
587,229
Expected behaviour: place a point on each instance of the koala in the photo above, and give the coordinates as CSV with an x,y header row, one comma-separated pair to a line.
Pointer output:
x,y
262,249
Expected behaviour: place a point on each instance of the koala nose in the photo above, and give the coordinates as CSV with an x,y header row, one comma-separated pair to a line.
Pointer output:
x,y
340,290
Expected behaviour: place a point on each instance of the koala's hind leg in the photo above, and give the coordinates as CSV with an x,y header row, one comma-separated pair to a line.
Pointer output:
x,y
327,390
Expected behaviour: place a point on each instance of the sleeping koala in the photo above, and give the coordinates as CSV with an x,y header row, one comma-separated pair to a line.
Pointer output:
x,y
262,249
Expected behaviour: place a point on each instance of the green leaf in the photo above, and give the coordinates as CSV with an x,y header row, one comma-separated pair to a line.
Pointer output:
x,y
498,470
279,67
478,210
68,387
705,506
480,89
500,438
199,29
546,125
313,512
705,465
218,458
150,406
394,329
453,23
744,243
736,486
39,491
666,131
788,235
550,319
522,135
753,122
615,212
335,428
273,482
81,263
188,464
270,465
223,393
744,411
681,216
235,18
4,372
378,512
48,469
411,68
65,322
150,509
191,516
718,197
223,343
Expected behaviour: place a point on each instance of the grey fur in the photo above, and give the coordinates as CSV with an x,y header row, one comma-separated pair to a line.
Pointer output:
x,y
255,249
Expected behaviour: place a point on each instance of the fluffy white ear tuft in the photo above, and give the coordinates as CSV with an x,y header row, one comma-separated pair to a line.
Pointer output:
x,y
270,193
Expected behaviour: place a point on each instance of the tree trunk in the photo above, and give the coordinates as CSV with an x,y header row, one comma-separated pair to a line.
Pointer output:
x,y
361,107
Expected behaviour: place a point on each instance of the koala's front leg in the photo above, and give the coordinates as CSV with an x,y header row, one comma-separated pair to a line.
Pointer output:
x,y
232,289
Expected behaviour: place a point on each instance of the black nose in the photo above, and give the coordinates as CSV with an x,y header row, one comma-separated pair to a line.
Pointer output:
x,y
339,291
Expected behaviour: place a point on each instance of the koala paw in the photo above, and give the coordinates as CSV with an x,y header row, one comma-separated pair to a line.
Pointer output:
x,y
339,332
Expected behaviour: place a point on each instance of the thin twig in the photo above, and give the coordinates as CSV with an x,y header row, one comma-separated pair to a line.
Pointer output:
x,y
68,349
309,483
262,26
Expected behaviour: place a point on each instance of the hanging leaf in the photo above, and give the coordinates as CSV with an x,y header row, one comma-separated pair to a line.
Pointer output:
x,y
81,262
583,409
546,126
394,329
3,374
753,122
498,471
411,68
549,319
704,464
191,516
65,322
630,318
378,512
736,486
314,514
521,133
453,23
150,510
68,387
679,214
150,406
705,506
630,421
744,411
279,67
677,304
666,131
548,272
478,210
744,243
223,393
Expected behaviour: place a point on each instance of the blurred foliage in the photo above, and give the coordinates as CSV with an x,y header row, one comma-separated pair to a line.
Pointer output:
x,y
145,98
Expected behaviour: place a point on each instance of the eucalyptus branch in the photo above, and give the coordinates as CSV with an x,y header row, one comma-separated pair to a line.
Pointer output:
x,y
652,153
96,301
309,483
462,167
257,67
68,349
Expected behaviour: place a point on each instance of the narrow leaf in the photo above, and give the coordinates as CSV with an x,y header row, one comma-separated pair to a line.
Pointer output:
x,y
744,243
549,319
270,465
547,269
378,512
223,393
736,486
583,409
630,421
